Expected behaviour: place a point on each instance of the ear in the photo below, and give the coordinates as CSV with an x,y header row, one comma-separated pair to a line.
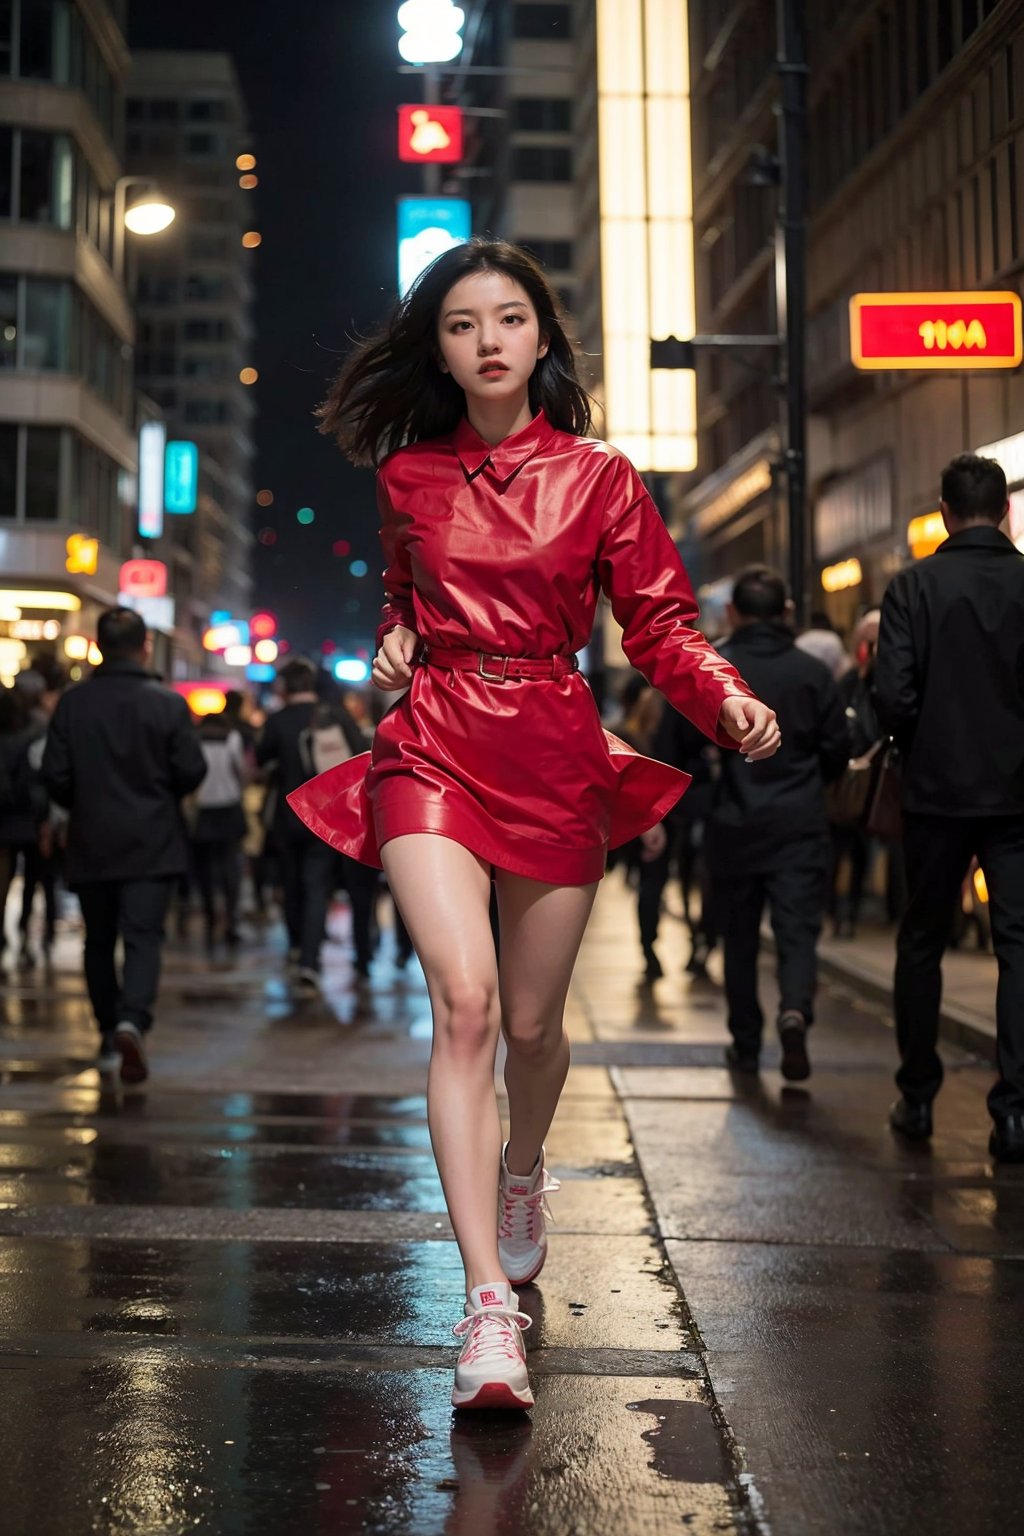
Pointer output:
x,y
542,349
948,517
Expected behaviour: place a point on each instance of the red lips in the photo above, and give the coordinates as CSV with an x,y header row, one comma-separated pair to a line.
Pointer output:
x,y
492,367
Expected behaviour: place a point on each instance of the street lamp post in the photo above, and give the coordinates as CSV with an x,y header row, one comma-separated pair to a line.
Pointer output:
x,y
152,215
791,288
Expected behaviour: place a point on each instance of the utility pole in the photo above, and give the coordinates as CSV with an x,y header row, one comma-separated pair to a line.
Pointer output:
x,y
791,288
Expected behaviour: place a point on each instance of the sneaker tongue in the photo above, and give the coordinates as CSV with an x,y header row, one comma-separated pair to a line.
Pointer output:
x,y
497,1295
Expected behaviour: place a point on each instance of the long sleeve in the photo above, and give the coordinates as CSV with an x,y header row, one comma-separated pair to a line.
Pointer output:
x,y
897,686
57,772
642,575
834,748
398,600
186,760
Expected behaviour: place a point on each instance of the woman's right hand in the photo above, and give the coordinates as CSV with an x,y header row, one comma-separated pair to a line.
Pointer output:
x,y
392,666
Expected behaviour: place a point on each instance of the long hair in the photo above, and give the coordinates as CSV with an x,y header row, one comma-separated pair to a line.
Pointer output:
x,y
391,390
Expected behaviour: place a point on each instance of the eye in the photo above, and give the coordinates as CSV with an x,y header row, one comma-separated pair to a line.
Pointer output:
x,y
458,326
516,319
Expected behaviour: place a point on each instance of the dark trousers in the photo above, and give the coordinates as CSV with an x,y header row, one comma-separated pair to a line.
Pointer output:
x,y
938,852
39,871
133,910
218,867
794,889
361,882
307,879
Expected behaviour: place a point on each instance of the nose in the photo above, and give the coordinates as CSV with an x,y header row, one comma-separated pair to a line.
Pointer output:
x,y
488,344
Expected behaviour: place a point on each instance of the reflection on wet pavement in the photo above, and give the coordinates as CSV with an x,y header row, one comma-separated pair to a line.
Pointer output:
x,y
233,1291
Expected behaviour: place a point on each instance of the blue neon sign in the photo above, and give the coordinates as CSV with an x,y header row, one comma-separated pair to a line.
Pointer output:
x,y
181,477
428,226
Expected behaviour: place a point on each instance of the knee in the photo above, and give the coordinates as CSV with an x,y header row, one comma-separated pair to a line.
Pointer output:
x,y
531,1037
464,1021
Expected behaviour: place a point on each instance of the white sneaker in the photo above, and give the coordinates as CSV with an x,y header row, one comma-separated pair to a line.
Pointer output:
x,y
522,1220
128,1039
491,1372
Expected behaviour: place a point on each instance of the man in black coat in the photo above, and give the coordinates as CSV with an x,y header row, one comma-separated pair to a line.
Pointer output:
x,y
950,689
120,754
768,833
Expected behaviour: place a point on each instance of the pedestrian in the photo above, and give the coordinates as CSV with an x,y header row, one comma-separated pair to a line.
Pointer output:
x,y
950,689
220,825
19,813
768,832
851,842
296,742
121,753
43,862
502,522
823,640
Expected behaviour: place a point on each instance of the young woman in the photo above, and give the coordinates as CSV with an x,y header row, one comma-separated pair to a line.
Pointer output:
x,y
502,522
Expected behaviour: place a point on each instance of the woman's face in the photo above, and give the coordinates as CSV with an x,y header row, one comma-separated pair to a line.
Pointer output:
x,y
489,336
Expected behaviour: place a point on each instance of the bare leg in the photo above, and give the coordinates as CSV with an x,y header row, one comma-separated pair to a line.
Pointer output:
x,y
443,891
542,927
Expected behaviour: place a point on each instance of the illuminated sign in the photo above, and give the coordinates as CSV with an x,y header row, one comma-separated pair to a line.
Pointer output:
x,y
839,578
82,555
152,451
430,31
220,636
143,578
935,330
262,626
155,612
925,534
30,629
427,227
430,133
181,477
203,698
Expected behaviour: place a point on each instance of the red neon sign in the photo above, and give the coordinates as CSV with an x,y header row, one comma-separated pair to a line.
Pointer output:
x,y
430,134
143,578
935,330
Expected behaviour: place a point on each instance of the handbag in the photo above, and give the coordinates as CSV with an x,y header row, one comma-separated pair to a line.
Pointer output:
x,y
885,817
847,800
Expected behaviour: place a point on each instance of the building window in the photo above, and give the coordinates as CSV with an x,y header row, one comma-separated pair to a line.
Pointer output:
x,y
205,330
162,110
556,255
541,162
42,473
207,413
543,22
46,185
204,144
50,40
8,320
46,340
206,111
8,470
542,114
7,142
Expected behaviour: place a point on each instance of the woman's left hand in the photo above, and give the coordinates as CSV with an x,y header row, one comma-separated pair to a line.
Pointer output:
x,y
753,725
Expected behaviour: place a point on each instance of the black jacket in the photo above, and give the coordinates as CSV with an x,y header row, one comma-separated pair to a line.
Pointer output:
x,y
281,747
762,810
19,813
121,752
949,680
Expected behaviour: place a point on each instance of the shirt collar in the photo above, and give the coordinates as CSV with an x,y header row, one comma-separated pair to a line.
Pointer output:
x,y
506,457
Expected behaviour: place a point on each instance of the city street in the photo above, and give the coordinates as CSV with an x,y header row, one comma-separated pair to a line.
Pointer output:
x,y
227,1299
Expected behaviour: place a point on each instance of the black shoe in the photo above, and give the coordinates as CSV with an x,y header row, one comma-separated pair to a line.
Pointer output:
x,y
795,1065
913,1121
652,969
1006,1143
738,1060
697,965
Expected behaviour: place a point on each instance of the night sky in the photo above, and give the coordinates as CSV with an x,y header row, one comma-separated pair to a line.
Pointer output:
x,y
321,86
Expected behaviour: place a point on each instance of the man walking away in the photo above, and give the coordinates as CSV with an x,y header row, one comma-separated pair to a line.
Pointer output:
x,y
768,832
120,755
289,744
950,689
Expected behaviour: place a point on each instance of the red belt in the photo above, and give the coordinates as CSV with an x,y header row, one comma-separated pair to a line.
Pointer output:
x,y
497,668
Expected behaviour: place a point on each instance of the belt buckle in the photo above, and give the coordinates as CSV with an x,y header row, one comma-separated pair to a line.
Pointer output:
x,y
493,677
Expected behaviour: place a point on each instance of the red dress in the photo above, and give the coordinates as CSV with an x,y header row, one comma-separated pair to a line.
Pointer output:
x,y
504,550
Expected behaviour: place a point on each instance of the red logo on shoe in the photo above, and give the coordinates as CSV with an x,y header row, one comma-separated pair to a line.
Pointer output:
x,y
490,1299
518,1189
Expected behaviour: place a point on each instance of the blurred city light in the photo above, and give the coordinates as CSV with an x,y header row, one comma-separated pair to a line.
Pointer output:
x,y
263,626
248,182
264,498
251,239
265,650
359,568
341,547
260,672
60,602
431,31
246,163
238,655
267,536
248,376
305,516
348,669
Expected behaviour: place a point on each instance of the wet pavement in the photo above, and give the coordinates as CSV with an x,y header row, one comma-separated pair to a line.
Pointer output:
x,y
226,1300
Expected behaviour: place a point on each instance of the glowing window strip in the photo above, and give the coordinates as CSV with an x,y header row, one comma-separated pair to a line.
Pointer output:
x,y
647,267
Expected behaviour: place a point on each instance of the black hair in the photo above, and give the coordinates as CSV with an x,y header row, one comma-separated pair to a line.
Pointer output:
x,y
298,675
233,701
973,488
760,593
120,634
391,391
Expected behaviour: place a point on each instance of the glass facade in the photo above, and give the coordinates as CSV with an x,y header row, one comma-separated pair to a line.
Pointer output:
x,y
48,325
52,474
49,40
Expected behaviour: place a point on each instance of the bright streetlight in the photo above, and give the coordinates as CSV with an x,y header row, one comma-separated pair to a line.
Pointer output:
x,y
431,31
150,214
